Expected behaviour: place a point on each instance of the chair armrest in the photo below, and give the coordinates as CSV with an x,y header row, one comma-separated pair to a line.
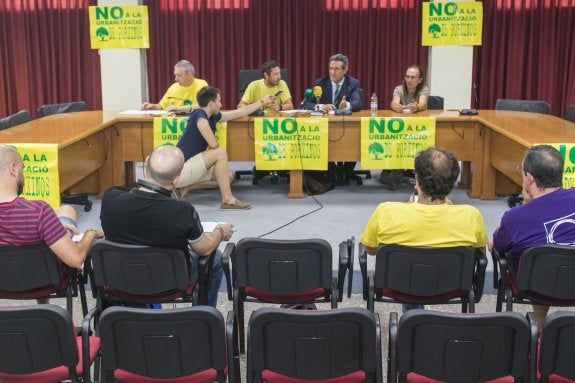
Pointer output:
x,y
86,343
378,360
229,249
481,266
233,351
362,257
494,257
392,348
342,267
205,267
501,263
533,345
350,261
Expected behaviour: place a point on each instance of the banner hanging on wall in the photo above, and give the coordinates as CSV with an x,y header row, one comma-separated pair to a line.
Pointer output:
x,y
568,153
168,130
41,179
393,143
119,27
291,143
452,23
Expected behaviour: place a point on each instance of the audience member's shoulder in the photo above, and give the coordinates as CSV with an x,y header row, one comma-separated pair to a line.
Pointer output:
x,y
32,205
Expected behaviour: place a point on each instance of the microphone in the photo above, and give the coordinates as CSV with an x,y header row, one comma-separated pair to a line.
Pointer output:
x,y
307,95
317,92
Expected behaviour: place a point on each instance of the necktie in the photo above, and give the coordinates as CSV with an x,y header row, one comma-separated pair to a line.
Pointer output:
x,y
336,93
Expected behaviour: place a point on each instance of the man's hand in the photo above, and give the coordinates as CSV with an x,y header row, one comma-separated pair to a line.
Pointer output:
x,y
397,108
413,107
268,100
275,107
227,230
343,103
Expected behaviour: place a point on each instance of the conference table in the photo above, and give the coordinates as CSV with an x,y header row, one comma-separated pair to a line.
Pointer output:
x,y
97,149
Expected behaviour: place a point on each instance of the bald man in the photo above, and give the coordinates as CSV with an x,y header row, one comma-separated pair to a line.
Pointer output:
x,y
148,215
24,222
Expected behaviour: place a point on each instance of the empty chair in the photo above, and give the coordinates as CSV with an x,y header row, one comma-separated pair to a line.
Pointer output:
x,y
546,276
15,119
428,346
38,344
280,271
570,113
340,345
425,275
557,348
34,272
531,106
181,345
66,107
144,274
435,102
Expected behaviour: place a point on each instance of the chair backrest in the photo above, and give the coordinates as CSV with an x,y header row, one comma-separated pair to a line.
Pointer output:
x,y
15,119
558,346
424,271
531,106
435,102
282,266
35,339
163,344
313,345
570,113
29,271
466,348
139,271
548,270
246,76
66,107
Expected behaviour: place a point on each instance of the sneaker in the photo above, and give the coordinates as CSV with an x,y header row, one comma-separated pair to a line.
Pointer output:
x,y
238,205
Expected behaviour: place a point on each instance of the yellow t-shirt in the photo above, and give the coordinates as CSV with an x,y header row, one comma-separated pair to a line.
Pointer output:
x,y
182,95
415,224
257,90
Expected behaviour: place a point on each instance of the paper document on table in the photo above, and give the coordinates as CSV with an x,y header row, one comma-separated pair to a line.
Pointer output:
x,y
145,112
295,112
210,226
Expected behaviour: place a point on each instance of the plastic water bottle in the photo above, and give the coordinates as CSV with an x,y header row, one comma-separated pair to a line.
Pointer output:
x,y
373,106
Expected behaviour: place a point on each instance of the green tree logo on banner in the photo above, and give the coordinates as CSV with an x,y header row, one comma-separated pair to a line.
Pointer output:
x,y
270,150
375,150
434,29
102,33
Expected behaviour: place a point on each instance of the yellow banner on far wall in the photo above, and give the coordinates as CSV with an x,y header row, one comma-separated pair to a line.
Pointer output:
x,y
121,26
168,130
290,143
393,143
452,23
568,153
41,180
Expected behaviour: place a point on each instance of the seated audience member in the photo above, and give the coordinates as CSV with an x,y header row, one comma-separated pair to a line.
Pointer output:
x,y
412,94
206,163
544,202
181,95
24,222
148,215
432,220
338,91
270,84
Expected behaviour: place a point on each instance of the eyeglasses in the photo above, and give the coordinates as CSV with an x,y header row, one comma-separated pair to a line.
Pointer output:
x,y
411,77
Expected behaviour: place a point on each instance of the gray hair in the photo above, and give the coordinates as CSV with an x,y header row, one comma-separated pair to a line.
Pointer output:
x,y
340,57
185,65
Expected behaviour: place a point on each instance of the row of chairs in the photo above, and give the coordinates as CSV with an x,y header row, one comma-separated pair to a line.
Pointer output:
x,y
195,345
45,110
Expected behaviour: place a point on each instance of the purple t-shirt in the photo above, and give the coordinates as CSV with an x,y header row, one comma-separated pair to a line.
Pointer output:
x,y
549,219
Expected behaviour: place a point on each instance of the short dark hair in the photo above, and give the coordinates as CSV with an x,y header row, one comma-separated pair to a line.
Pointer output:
x,y
341,58
268,66
545,164
436,170
207,94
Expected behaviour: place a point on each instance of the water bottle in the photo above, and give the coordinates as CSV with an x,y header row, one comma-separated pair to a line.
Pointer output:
x,y
373,106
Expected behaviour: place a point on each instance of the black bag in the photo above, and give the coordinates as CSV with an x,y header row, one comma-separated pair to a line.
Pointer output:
x,y
317,182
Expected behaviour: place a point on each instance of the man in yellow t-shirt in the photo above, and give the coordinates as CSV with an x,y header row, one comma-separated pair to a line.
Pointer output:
x,y
270,84
181,95
432,220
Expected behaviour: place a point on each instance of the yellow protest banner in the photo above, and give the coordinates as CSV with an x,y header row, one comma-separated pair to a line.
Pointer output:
x,y
168,130
393,142
568,153
290,143
119,27
452,23
41,179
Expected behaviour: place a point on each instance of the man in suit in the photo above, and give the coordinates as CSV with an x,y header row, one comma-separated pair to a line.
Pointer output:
x,y
339,92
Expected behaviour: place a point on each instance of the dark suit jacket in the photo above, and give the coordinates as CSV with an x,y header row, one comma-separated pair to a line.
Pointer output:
x,y
350,88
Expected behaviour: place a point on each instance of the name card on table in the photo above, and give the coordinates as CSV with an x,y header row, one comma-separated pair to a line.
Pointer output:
x,y
291,143
393,142
41,180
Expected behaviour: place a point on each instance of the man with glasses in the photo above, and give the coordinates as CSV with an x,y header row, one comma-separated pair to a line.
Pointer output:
x,y
411,96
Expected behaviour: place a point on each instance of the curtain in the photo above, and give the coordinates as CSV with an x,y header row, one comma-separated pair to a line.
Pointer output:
x,y
528,53
220,37
45,55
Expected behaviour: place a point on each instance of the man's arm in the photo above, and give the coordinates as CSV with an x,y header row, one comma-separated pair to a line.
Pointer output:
x,y
370,250
396,104
210,241
150,106
74,254
248,109
355,97
206,132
